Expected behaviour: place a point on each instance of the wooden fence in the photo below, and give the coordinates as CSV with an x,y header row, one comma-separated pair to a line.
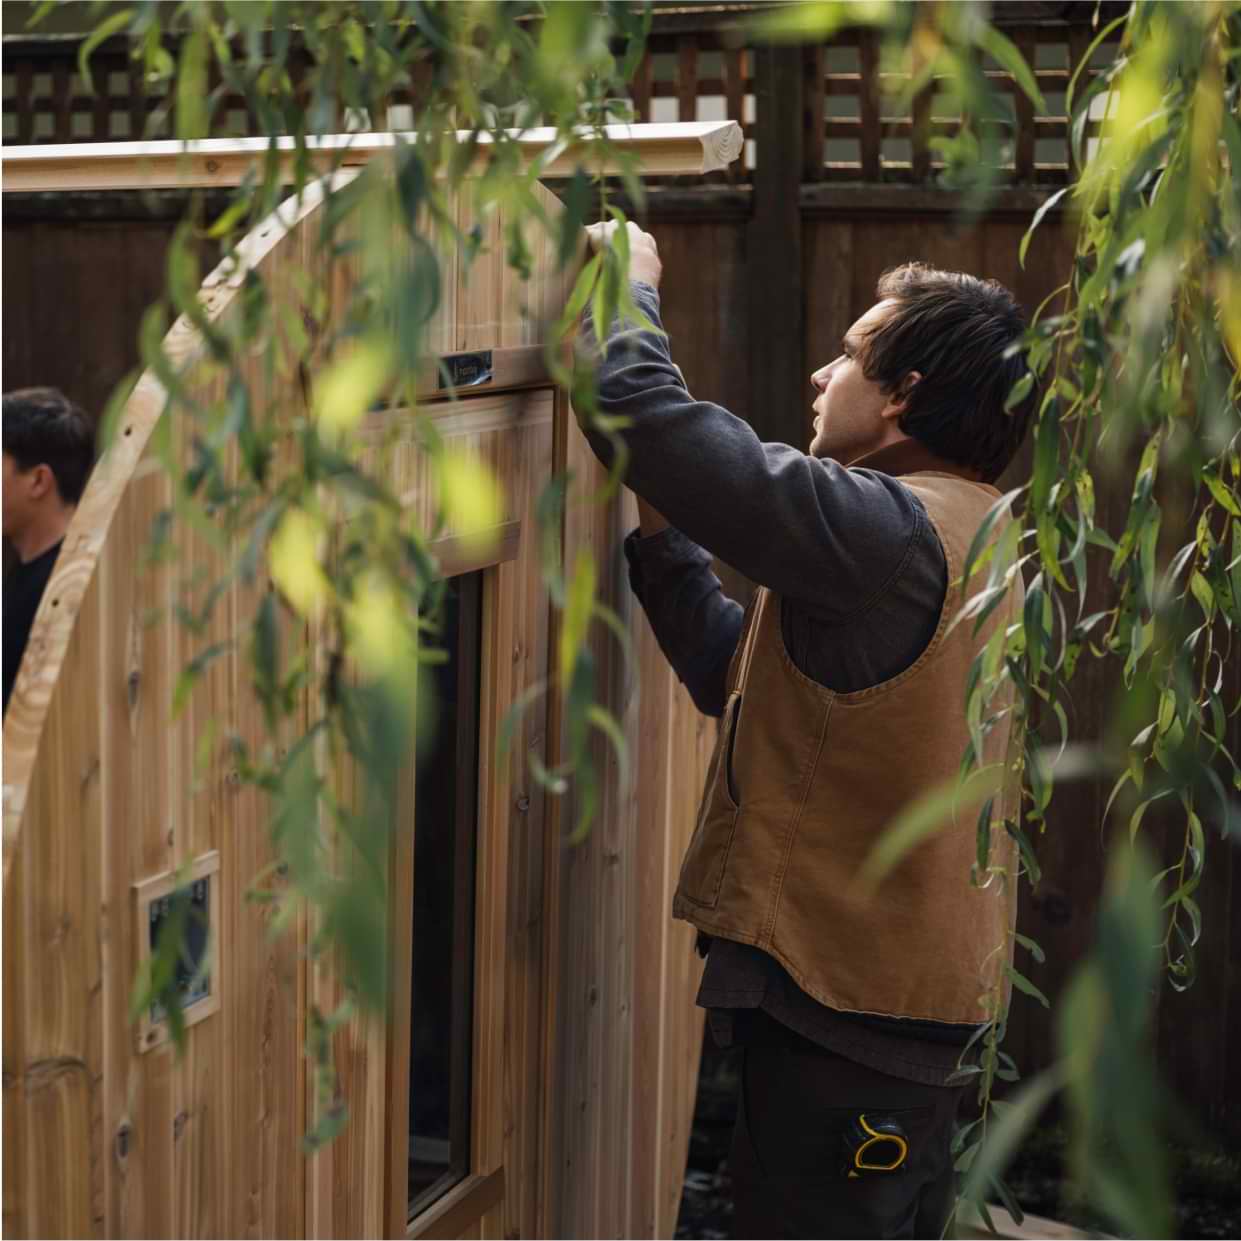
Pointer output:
x,y
762,274
696,67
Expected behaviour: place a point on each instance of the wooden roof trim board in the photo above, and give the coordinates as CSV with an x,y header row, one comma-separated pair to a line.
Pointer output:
x,y
688,147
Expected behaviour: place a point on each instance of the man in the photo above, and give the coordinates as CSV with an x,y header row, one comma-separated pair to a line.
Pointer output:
x,y
841,691
49,447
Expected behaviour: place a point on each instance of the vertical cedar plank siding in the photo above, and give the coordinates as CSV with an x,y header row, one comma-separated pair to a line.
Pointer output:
x,y
75,290
598,1068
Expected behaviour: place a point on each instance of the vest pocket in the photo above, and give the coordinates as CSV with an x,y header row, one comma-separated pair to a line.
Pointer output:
x,y
707,856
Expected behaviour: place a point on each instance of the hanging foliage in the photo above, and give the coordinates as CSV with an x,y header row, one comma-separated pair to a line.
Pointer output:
x,y
345,593
1135,362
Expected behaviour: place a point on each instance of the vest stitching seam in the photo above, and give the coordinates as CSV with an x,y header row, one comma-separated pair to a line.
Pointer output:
x,y
769,925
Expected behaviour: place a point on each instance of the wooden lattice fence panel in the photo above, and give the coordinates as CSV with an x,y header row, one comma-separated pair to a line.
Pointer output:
x,y
853,132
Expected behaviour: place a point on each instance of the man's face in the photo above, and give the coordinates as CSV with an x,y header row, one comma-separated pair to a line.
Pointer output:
x,y
852,415
23,491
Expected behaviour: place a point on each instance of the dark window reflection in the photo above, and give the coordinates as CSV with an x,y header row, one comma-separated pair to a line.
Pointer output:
x,y
445,834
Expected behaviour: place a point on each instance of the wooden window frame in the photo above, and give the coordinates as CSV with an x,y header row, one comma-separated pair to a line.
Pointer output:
x,y
483,1186
464,913
486,1076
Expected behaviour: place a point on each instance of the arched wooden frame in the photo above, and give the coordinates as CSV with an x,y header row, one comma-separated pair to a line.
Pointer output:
x,y
577,966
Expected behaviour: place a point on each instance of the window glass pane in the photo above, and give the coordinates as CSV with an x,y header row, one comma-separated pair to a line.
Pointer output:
x,y
445,835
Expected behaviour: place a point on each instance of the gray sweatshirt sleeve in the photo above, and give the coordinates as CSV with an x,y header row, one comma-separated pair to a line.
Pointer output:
x,y
827,538
696,625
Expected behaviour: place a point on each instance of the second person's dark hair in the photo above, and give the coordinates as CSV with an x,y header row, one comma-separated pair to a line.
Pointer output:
x,y
956,331
43,427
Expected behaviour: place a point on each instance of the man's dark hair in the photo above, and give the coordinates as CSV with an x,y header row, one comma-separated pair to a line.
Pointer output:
x,y
956,331
43,427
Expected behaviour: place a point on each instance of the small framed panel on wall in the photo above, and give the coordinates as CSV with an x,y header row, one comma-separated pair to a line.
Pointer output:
x,y
186,903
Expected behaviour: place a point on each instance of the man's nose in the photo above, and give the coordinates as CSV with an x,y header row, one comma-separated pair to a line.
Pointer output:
x,y
819,378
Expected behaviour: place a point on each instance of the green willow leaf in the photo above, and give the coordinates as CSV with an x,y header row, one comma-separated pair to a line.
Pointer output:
x,y
1033,870
1038,218
1034,950
1007,1134
1006,53
1022,983
1020,390
192,115
950,800
579,607
1001,508
1223,496
111,25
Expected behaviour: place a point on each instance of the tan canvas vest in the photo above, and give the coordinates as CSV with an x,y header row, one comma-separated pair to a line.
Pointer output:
x,y
804,782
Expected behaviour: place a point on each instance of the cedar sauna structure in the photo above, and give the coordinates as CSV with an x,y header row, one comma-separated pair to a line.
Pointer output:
x,y
536,1074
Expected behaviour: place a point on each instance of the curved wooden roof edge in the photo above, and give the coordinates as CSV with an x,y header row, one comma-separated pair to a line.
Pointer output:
x,y
61,604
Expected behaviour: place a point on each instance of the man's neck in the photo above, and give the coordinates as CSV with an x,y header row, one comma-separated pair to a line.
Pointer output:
x,y
42,533
910,456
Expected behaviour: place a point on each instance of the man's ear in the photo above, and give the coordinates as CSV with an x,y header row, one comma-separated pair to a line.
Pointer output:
x,y
898,399
42,481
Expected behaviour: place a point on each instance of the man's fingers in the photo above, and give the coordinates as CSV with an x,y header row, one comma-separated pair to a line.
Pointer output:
x,y
644,264
601,234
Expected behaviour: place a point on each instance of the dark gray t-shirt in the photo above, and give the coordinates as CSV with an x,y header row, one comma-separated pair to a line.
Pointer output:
x,y
861,577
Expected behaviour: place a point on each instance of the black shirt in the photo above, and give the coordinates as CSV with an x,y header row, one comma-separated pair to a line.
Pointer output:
x,y
23,588
861,576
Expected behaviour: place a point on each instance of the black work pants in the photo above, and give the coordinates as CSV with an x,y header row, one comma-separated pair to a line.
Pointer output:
x,y
794,1136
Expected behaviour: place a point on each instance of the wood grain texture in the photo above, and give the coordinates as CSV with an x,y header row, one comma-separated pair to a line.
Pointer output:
x,y
869,106
113,1140
627,1033
687,78
814,60
774,244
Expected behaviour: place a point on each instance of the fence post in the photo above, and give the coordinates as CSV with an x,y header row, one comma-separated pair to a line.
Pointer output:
x,y
779,394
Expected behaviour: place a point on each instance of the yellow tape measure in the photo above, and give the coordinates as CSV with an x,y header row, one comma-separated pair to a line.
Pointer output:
x,y
883,1149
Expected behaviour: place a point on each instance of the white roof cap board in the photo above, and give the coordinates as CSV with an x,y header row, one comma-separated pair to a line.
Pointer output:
x,y
690,148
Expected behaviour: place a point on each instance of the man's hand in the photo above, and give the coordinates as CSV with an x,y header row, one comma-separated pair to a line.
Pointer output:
x,y
644,264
